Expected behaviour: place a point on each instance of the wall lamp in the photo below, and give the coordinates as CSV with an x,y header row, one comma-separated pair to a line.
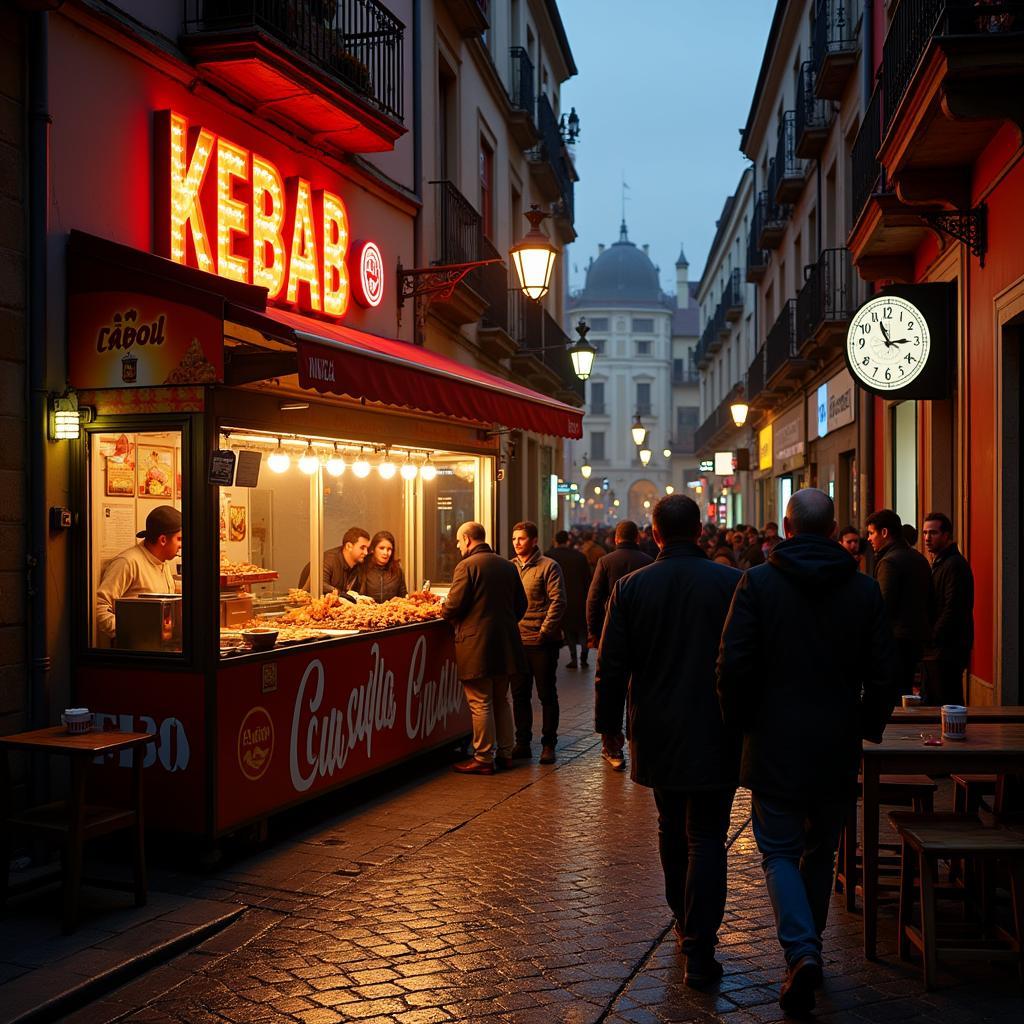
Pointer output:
x,y
65,417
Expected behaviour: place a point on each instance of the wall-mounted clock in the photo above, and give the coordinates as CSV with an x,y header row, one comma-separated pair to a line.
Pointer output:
x,y
900,343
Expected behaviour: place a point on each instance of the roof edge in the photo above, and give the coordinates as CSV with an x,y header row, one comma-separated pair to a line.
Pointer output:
x,y
560,34
766,60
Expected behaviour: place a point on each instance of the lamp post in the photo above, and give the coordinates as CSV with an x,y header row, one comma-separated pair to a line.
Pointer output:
x,y
586,469
581,352
638,430
645,456
739,409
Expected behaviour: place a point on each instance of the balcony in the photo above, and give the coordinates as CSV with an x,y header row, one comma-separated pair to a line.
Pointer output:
x,y
542,357
770,219
732,300
521,96
332,72
551,170
717,426
835,46
470,16
786,173
783,366
757,395
825,304
684,376
492,284
702,353
458,239
814,116
757,257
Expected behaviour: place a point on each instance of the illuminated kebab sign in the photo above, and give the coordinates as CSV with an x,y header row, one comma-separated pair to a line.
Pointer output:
x,y
267,230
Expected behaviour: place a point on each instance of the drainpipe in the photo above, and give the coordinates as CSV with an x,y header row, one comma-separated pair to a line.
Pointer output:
x,y
36,375
417,137
867,401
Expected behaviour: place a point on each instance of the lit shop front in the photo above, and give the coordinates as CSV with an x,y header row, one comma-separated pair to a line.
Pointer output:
x,y
223,378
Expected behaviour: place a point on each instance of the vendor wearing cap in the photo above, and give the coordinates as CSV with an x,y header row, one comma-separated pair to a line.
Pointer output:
x,y
141,569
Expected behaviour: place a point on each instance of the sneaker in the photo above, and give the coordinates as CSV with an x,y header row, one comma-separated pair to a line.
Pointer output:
x,y
474,767
547,755
521,752
796,996
617,760
702,972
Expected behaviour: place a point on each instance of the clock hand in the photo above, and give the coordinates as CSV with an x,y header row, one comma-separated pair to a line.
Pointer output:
x,y
885,334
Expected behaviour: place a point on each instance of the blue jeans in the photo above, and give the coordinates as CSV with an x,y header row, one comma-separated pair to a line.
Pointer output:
x,y
798,848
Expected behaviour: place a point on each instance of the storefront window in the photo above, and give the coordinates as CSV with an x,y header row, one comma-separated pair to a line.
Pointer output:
x,y
135,485
904,461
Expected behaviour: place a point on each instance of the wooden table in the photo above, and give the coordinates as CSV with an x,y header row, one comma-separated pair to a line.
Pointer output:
x,y
989,747
74,821
929,714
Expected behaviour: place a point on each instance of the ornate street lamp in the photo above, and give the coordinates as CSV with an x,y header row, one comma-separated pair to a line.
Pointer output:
x,y
586,469
582,353
739,409
534,257
645,456
638,430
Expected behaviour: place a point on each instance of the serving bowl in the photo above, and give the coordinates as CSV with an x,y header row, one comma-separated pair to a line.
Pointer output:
x,y
260,639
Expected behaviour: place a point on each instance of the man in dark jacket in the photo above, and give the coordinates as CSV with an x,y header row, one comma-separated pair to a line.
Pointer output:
x,y
953,610
806,634
626,557
576,574
485,603
658,650
905,580
541,631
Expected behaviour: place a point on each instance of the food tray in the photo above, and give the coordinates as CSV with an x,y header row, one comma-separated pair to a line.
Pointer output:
x,y
239,580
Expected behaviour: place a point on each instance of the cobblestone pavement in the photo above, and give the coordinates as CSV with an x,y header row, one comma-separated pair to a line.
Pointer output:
x,y
531,896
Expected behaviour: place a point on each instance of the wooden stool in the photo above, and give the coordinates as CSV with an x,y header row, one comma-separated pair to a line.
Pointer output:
x,y
927,840
968,791
916,791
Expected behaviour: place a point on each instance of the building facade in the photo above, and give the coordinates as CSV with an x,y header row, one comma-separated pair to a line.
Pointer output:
x,y
644,340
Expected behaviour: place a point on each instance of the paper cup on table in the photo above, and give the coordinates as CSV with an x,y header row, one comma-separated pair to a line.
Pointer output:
x,y
911,700
954,722
76,720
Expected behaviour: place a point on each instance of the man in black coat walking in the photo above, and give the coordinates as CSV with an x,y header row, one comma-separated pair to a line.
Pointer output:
x,y
658,650
576,575
806,634
952,634
626,558
485,603
905,580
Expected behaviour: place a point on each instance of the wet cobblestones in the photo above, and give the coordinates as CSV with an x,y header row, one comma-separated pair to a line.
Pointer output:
x,y
531,896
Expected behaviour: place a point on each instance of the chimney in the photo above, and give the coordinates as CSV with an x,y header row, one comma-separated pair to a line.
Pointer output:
x,y
682,280
647,250
600,248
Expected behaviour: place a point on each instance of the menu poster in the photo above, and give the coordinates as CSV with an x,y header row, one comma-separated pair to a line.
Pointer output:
x,y
117,530
156,471
248,472
222,468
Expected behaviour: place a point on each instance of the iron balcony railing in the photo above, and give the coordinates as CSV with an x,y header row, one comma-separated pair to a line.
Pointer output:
x,y
551,150
358,42
787,169
732,297
719,419
521,80
755,376
828,295
539,335
709,336
865,167
916,22
492,284
812,114
459,232
780,345
684,376
835,29
758,257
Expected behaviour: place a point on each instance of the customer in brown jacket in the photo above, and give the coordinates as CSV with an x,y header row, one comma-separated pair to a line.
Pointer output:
x,y
541,632
485,602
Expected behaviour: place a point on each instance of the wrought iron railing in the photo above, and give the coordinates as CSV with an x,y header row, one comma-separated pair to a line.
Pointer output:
x,y
865,167
492,283
916,22
835,29
719,419
755,375
780,345
359,42
551,150
732,297
709,337
684,376
521,80
828,294
812,114
757,258
555,355
786,165
459,232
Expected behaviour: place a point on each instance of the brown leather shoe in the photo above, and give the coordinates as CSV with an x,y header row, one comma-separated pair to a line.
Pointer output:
x,y
504,763
796,996
474,767
547,755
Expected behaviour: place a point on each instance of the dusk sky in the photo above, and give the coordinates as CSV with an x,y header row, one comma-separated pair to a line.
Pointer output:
x,y
663,88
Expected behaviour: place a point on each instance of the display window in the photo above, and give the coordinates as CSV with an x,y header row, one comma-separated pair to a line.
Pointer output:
x,y
136,482
378,524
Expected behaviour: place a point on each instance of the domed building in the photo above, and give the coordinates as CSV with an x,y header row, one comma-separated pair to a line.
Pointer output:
x,y
645,340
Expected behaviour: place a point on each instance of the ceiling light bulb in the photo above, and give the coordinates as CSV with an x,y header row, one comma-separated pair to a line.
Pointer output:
x,y
335,464
428,470
279,461
361,467
387,468
309,463
408,469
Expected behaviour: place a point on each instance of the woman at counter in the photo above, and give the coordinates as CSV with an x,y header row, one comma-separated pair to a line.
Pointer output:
x,y
382,576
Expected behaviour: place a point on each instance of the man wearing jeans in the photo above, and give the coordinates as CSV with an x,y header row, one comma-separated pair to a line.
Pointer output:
x,y
804,671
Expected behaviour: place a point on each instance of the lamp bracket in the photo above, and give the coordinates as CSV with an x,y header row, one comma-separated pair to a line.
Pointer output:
x,y
428,284
967,226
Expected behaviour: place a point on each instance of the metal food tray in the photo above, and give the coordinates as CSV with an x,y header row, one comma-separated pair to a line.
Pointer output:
x,y
241,580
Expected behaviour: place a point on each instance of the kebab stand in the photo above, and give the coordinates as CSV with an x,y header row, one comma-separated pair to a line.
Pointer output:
x,y
273,430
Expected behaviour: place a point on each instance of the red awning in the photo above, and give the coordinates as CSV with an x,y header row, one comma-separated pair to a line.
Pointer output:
x,y
344,361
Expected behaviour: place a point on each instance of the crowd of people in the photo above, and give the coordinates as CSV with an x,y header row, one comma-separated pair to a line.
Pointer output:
x,y
721,651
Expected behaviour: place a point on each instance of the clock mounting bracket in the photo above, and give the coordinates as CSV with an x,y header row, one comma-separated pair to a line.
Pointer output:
x,y
967,226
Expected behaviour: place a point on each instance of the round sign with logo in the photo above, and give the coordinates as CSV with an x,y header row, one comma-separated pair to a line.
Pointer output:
x,y
255,743
367,274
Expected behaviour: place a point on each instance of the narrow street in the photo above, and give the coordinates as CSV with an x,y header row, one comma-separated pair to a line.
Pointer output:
x,y
531,896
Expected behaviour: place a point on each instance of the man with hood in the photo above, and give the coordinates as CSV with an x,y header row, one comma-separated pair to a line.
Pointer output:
x,y
803,671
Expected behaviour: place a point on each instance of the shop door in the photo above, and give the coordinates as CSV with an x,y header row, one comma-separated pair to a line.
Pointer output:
x,y
1011,536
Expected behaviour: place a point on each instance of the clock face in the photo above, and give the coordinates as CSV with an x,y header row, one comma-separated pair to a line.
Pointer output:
x,y
888,343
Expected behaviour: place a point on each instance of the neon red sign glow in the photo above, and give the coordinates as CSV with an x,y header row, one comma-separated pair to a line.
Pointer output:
x,y
270,231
